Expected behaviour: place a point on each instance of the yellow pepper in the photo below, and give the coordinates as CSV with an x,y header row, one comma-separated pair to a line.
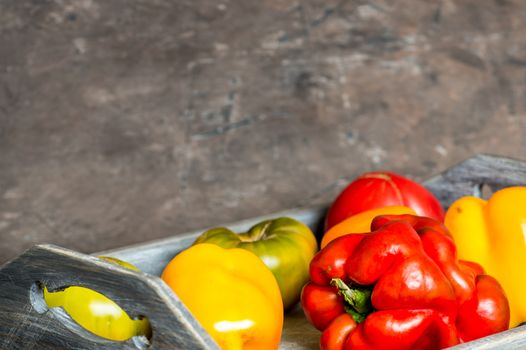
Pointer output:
x,y
97,313
361,222
231,293
493,233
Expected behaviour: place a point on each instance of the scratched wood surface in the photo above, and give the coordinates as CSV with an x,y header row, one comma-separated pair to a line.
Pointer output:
x,y
34,326
125,121
26,323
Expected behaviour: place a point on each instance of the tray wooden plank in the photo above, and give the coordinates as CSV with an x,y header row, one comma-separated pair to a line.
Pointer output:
x,y
25,323
153,256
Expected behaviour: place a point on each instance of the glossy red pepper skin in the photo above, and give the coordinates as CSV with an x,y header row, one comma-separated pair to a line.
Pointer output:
x,y
422,296
324,303
335,335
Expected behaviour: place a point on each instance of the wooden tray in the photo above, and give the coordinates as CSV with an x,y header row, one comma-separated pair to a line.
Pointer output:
x,y
26,323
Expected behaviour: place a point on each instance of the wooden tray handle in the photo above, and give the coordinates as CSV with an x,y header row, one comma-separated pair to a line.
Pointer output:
x,y
26,322
468,177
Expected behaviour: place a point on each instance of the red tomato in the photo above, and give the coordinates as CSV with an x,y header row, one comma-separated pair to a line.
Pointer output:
x,y
379,189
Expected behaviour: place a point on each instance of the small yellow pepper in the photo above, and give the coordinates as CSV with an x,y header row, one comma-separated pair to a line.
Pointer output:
x,y
231,293
493,233
97,313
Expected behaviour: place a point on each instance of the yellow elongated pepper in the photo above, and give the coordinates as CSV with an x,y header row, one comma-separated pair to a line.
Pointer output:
x,y
97,313
493,233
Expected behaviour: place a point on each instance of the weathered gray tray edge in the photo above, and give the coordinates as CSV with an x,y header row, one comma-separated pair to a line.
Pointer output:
x,y
26,323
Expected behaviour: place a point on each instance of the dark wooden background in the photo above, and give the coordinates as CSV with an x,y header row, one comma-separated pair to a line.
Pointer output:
x,y
125,121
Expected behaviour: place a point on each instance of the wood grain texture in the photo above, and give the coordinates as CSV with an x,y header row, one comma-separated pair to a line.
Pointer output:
x,y
122,122
151,257
22,327
469,177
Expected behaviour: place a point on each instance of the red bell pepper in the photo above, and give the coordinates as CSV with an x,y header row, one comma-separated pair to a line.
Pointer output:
x,y
400,287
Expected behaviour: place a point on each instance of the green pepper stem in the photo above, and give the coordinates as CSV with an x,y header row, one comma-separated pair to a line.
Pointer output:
x,y
357,300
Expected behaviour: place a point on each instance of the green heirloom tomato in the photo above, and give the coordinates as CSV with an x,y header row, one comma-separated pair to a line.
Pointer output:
x,y
285,245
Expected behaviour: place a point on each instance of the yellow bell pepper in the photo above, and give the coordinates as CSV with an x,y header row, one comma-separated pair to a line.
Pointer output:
x,y
231,293
493,233
361,222
97,313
